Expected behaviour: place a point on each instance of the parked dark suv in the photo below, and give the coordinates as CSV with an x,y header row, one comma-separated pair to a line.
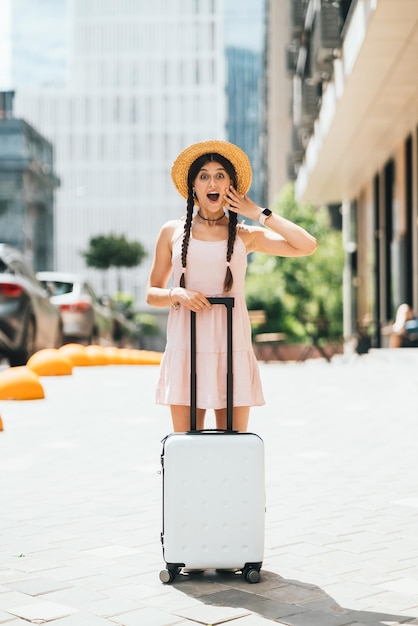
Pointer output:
x,y
28,320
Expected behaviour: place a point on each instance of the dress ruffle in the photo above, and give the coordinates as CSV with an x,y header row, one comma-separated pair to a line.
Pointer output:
x,y
211,379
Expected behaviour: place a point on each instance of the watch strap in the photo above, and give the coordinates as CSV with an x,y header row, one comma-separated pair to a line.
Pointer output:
x,y
264,214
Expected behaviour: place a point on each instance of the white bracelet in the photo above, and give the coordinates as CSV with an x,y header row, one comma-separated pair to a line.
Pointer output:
x,y
175,305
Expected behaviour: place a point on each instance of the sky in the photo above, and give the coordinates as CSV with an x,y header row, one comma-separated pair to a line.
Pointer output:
x,y
243,29
47,66
244,25
5,78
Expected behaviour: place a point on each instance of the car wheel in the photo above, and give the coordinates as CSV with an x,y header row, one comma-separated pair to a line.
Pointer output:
x,y
20,357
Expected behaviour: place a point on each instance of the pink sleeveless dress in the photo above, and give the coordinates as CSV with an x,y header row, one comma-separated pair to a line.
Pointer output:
x,y
205,272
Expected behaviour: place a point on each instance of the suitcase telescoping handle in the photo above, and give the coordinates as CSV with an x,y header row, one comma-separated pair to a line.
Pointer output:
x,y
229,303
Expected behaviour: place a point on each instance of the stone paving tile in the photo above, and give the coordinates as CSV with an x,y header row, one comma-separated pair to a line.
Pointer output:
x,y
14,598
402,603
335,564
403,545
37,586
69,573
351,591
170,602
32,565
404,585
378,618
97,582
195,586
83,619
206,614
368,573
10,575
348,593
76,595
292,594
326,604
10,620
253,620
112,552
148,562
305,549
41,611
111,568
408,572
363,542
317,618
150,617
269,608
108,607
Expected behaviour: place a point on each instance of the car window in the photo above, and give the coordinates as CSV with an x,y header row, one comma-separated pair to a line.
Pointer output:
x,y
57,288
3,267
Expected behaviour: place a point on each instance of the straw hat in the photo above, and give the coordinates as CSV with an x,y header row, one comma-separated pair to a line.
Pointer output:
x,y
230,151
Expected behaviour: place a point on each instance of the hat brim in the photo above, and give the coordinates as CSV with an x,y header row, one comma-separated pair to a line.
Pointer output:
x,y
230,151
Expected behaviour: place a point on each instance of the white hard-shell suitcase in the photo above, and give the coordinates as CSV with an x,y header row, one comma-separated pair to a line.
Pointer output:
x,y
213,490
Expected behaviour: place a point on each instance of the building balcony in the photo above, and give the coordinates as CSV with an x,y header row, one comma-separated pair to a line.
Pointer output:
x,y
369,106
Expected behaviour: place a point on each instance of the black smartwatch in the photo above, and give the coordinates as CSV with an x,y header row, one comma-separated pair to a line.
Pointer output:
x,y
264,215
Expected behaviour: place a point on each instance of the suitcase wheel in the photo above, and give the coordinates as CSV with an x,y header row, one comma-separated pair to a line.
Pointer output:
x,y
167,576
251,575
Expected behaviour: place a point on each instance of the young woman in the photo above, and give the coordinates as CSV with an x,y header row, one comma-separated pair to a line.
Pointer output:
x,y
205,253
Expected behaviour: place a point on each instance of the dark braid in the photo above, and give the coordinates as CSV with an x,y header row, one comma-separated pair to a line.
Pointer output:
x,y
186,236
232,233
195,168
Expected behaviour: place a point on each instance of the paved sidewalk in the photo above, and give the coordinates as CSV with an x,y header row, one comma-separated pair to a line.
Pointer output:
x,y
80,507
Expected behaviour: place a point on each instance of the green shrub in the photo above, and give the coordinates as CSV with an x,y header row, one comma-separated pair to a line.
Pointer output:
x,y
298,292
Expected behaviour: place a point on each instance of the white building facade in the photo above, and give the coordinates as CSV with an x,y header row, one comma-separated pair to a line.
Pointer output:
x,y
145,79
355,145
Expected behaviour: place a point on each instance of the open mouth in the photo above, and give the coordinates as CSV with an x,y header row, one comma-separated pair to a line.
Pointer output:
x,y
213,197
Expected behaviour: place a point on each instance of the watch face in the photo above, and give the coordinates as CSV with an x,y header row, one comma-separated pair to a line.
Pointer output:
x,y
266,212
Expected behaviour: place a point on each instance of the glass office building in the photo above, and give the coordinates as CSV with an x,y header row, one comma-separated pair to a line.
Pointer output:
x,y
138,82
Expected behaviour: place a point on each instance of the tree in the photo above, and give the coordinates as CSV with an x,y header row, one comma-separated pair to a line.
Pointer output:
x,y
298,291
107,251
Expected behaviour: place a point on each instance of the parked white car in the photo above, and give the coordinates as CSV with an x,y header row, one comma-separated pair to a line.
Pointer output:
x,y
85,319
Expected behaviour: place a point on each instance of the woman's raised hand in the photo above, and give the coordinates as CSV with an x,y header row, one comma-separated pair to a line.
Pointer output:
x,y
242,204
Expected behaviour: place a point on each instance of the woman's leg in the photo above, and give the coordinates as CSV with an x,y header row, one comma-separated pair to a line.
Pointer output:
x,y
395,340
240,419
181,418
